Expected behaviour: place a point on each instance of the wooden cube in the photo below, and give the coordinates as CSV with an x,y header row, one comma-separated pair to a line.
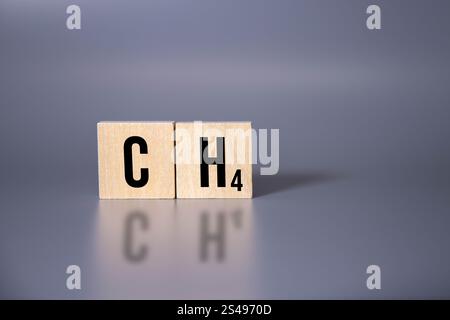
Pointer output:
x,y
213,159
136,160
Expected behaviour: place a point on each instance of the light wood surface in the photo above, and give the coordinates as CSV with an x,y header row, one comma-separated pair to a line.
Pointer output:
x,y
159,139
238,156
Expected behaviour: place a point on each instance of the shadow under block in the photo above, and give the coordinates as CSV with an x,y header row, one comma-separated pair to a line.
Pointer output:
x,y
135,160
229,179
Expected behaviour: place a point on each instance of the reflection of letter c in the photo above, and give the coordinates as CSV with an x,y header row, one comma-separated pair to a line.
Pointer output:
x,y
128,161
140,253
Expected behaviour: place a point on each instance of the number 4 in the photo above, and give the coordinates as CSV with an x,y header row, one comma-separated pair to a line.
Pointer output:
x,y
236,182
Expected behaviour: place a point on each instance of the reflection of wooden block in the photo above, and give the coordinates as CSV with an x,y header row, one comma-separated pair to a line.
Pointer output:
x,y
232,179
135,160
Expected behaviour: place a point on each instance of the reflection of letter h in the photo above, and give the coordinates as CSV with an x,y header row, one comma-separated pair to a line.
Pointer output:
x,y
219,160
207,237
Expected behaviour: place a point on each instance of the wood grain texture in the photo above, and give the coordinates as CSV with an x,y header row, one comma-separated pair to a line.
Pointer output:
x,y
159,137
238,156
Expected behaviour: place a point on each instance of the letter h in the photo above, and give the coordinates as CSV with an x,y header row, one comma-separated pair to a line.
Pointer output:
x,y
219,160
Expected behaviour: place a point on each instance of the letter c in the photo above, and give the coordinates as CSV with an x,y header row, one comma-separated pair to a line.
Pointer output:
x,y
128,162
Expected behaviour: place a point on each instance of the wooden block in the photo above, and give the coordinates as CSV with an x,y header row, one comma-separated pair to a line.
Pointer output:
x,y
135,160
212,177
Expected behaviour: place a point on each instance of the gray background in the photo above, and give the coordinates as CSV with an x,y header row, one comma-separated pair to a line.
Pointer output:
x,y
363,118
